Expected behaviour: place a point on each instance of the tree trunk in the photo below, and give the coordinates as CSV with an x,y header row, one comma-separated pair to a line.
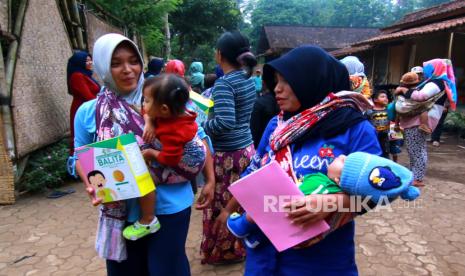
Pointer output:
x,y
167,37
181,45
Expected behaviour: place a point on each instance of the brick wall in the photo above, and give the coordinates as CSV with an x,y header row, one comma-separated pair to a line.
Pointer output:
x,y
40,99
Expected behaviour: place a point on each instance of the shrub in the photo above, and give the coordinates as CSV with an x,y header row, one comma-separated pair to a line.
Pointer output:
x,y
455,122
46,168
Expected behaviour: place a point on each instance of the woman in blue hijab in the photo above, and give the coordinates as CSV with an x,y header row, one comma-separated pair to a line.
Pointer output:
x,y
196,76
306,82
81,85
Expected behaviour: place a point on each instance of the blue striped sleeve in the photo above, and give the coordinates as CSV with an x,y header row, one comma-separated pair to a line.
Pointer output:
x,y
224,109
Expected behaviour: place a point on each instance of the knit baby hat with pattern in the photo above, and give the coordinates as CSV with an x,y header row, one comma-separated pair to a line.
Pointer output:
x,y
370,175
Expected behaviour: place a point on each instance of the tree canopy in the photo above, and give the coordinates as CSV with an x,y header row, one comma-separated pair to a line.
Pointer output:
x,y
334,13
143,16
197,24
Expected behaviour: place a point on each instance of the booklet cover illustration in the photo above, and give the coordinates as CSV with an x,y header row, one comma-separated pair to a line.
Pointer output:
x,y
115,168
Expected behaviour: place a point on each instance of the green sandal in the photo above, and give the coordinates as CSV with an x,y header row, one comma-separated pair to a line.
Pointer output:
x,y
137,230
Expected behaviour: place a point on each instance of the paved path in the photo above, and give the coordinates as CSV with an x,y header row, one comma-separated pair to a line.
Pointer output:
x,y
40,236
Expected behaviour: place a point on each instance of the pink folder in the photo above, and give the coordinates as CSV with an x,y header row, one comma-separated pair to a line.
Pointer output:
x,y
261,194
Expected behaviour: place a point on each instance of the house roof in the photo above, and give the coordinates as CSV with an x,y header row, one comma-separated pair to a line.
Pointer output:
x,y
429,15
329,38
429,28
350,50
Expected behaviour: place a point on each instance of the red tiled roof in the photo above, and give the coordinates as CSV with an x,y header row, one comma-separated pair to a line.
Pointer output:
x,y
430,28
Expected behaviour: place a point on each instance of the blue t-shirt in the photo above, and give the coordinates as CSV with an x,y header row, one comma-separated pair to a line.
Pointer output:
x,y
171,198
313,156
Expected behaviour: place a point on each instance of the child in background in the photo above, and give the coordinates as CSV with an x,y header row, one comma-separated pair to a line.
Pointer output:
x,y
358,174
165,114
408,83
396,136
396,140
378,116
209,83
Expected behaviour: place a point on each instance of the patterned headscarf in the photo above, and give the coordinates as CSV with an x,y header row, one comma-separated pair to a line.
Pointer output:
x,y
441,69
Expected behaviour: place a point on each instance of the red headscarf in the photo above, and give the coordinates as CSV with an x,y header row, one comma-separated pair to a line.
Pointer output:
x,y
175,66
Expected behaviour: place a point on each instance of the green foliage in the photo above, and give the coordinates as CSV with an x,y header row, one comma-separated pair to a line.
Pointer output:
x,y
46,168
196,24
154,42
143,16
455,122
342,13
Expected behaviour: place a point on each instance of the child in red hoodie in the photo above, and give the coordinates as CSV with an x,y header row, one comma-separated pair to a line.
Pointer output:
x,y
168,120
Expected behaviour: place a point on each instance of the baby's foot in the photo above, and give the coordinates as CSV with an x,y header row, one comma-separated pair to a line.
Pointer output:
x,y
425,129
138,230
240,227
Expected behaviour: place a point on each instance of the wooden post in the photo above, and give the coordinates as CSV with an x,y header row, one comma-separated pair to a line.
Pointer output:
x,y
69,25
5,113
10,20
413,53
7,183
66,10
13,49
373,64
78,27
451,43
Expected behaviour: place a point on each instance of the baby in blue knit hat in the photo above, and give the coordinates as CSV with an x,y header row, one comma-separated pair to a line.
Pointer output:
x,y
358,174
365,174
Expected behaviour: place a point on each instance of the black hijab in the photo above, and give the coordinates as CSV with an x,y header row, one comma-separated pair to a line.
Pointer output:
x,y
154,67
312,74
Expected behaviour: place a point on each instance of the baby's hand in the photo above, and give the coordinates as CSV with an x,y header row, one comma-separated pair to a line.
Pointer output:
x,y
149,133
91,192
150,154
400,90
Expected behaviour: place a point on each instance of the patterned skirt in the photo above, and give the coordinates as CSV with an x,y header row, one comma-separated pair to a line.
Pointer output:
x,y
223,247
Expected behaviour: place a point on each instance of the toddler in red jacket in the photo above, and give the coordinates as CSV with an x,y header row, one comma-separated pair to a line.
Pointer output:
x,y
168,120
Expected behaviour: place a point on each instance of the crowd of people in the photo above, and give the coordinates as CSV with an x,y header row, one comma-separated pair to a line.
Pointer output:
x,y
306,120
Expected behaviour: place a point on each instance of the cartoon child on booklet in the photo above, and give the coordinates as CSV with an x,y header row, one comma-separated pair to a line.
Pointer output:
x,y
359,174
97,180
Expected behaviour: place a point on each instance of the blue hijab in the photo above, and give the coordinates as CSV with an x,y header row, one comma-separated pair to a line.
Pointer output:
x,y
196,76
77,63
312,74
